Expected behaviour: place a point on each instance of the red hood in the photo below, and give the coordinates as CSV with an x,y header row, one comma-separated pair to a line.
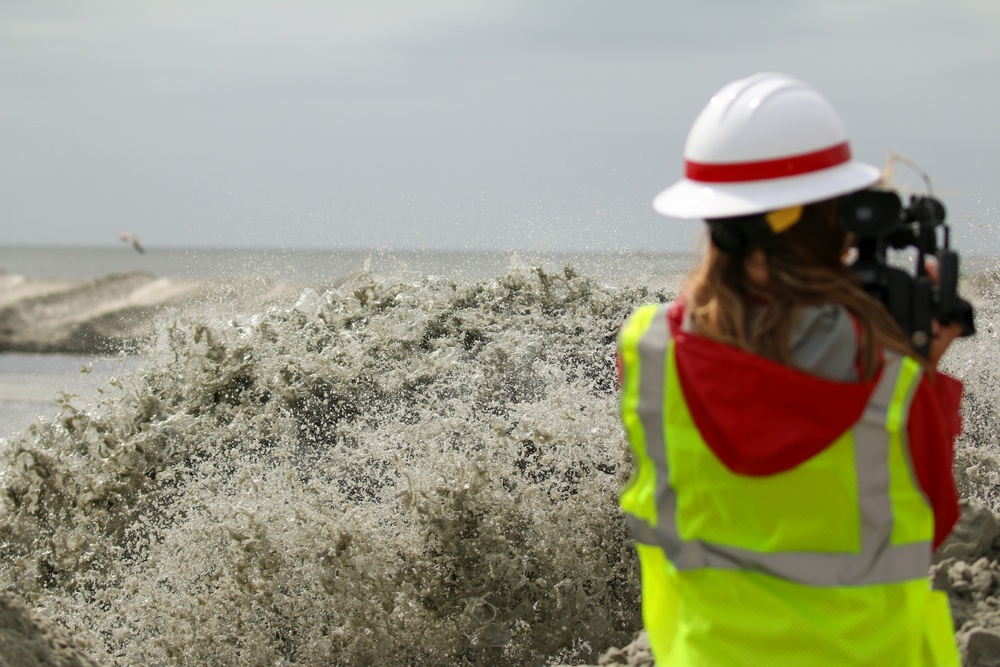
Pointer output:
x,y
758,416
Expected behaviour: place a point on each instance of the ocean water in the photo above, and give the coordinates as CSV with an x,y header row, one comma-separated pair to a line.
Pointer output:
x,y
413,460
29,383
322,266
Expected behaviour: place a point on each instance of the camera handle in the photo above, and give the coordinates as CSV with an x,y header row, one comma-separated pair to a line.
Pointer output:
x,y
951,307
909,300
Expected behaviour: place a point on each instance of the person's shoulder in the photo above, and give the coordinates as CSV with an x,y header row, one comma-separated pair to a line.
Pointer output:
x,y
642,320
824,342
645,313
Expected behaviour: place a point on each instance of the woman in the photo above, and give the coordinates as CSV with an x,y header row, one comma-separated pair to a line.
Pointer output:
x,y
793,455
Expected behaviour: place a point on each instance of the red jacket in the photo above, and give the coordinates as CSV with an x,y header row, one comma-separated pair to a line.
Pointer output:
x,y
761,417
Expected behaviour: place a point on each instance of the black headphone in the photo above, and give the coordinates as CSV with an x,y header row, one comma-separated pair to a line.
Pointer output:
x,y
736,235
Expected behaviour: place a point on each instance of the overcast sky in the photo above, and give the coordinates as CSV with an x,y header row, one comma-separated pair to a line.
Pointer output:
x,y
493,124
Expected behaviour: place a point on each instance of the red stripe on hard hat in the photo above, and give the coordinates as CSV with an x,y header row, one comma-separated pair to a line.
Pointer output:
x,y
781,167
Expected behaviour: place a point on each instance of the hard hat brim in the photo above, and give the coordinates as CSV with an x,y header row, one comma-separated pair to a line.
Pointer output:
x,y
688,199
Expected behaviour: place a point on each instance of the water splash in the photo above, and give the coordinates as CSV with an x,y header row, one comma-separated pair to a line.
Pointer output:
x,y
387,473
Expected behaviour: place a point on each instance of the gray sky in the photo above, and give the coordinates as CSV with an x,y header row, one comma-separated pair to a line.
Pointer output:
x,y
492,124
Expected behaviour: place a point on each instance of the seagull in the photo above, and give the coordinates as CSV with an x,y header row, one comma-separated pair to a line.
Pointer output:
x,y
132,240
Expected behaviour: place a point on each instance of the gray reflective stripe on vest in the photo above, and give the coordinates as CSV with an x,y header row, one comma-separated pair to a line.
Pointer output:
x,y
878,560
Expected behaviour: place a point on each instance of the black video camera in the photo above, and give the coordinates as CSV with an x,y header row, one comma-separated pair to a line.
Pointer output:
x,y
879,222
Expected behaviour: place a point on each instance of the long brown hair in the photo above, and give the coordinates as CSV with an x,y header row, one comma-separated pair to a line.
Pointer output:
x,y
805,267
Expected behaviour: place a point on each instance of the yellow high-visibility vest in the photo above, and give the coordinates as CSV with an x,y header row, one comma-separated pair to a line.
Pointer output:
x,y
822,564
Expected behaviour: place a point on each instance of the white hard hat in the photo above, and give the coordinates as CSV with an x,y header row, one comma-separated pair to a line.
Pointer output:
x,y
763,143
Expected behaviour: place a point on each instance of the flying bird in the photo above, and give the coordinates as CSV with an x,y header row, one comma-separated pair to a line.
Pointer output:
x,y
132,240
